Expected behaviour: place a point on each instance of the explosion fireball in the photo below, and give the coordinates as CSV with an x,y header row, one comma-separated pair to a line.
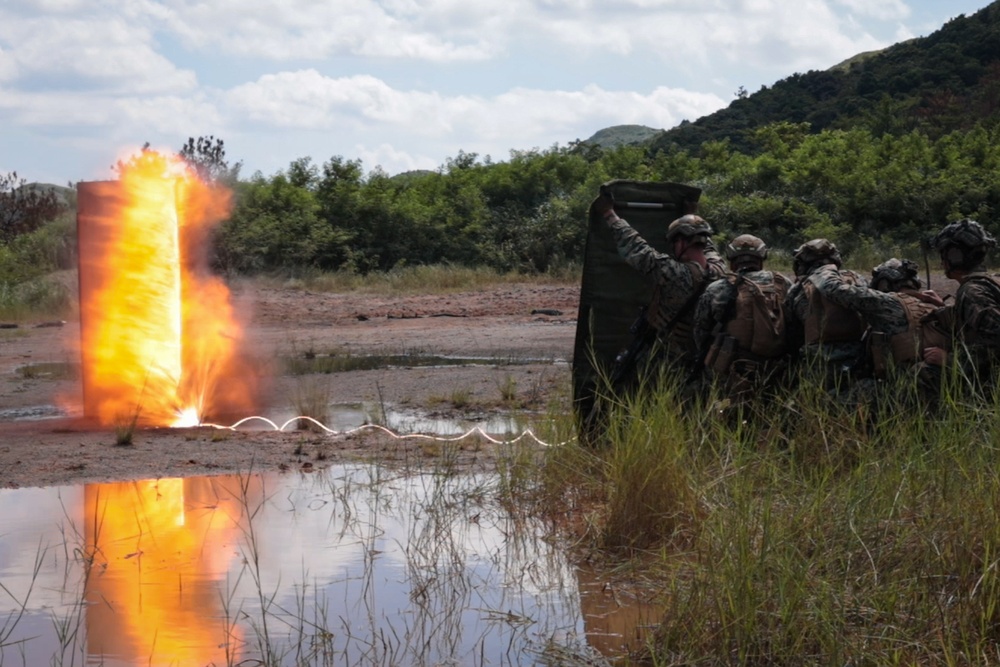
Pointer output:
x,y
160,340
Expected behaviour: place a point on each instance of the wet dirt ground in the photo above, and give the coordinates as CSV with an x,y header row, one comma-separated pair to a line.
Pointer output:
x,y
524,332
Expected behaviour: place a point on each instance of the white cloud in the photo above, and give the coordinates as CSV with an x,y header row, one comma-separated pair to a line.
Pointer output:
x,y
306,30
306,99
883,10
405,83
8,66
167,115
106,52
393,160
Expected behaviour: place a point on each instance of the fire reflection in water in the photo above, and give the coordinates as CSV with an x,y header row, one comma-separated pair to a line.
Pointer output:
x,y
161,550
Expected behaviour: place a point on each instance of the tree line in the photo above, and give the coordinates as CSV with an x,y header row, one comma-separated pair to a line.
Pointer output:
x,y
858,187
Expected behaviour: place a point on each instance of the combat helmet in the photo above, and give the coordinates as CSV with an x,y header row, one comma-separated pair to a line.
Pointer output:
x,y
813,254
963,244
692,227
895,274
746,252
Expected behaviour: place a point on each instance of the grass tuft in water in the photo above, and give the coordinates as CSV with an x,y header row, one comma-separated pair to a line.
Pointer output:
x,y
311,397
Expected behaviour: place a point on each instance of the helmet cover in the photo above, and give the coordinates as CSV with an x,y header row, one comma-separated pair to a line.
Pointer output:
x,y
895,274
966,233
746,244
813,254
963,244
688,226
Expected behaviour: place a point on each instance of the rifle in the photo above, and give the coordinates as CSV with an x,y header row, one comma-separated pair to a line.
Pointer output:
x,y
643,337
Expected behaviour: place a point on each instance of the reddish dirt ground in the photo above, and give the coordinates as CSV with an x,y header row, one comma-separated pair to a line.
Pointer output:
x,y
529,328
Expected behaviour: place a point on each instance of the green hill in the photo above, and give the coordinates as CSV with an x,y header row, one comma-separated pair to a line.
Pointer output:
x,y
946,81
64,195
623,135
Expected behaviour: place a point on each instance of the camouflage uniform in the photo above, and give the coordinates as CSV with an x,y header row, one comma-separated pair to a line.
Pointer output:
x,y
974,318
840,347
676,286
897,331
745,372
827,336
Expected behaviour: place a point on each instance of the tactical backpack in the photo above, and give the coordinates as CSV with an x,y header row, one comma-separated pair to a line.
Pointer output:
x,y
828,322
756,328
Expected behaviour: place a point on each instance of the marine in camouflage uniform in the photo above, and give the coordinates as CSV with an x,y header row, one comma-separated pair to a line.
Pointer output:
x,y
743,349
826,337
895,310
974,318
677,276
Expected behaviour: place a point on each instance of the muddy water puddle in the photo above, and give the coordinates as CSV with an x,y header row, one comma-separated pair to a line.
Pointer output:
x,y
353,565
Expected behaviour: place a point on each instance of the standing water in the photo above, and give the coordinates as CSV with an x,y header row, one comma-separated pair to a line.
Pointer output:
x,y
353,565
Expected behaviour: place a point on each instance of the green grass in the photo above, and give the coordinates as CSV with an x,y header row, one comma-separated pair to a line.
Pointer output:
x,y
812,533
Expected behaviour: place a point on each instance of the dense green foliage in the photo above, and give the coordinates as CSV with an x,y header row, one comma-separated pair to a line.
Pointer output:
x,y
24,208
861,189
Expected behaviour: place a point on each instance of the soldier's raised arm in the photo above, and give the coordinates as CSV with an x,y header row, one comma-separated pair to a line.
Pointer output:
x,y
691,257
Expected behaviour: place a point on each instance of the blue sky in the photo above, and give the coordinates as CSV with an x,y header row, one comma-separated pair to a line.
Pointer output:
x,y
398,84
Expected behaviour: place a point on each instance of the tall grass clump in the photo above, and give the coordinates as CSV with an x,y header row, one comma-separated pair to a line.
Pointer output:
x,y
652,495
858,530
311,397
634,480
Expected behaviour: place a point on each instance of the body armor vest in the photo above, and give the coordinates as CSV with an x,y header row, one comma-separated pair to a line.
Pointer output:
x,y
829,323
907,347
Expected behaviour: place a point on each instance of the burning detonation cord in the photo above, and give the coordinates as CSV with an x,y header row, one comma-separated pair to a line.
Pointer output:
x,y
527,433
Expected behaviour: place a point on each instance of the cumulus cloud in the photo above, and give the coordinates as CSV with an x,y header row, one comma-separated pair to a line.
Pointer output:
x,y
693,36
305,30
883,10
103,52
8,66
392,159
307,99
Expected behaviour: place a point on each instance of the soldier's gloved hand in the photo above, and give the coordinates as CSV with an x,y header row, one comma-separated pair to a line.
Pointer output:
x,y
604,205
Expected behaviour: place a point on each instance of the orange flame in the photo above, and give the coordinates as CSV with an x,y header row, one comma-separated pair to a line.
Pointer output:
x,y
160,339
